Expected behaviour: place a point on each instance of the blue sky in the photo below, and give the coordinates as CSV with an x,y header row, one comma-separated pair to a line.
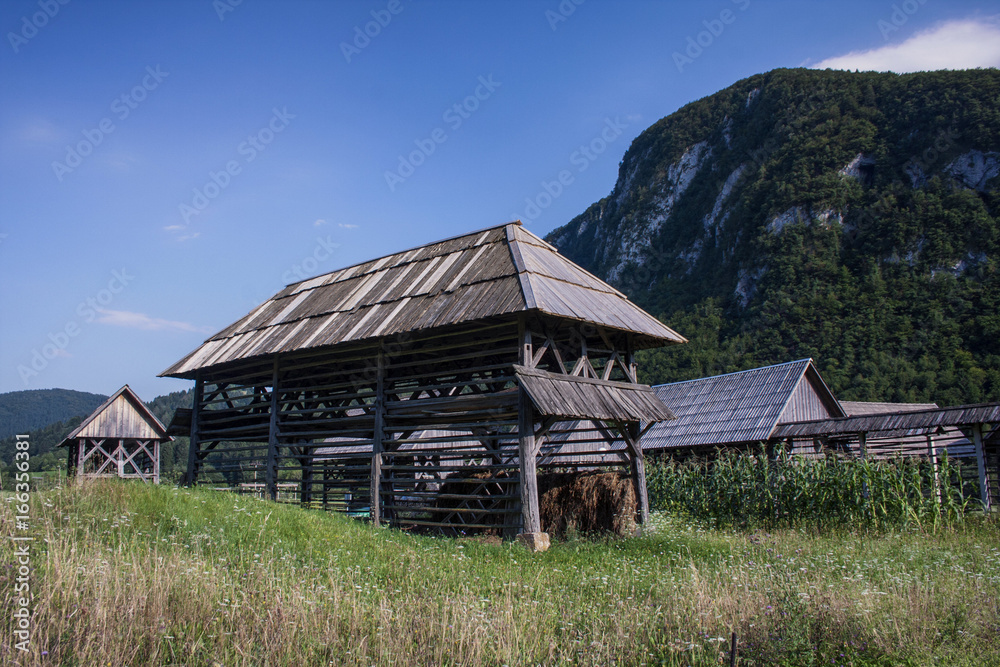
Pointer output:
x,y
166,166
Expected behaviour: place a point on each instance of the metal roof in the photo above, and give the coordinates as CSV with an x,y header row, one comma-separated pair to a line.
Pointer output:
x,y
494,272
122,416
577,397
740,407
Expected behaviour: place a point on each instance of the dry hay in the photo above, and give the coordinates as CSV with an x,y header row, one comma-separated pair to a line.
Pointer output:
x,y
590,502
584,503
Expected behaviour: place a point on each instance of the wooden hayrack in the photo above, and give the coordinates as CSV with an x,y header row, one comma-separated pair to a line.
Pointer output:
x,y
421,388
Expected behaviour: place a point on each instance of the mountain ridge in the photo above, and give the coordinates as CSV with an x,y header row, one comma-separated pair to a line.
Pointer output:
x,y
850,217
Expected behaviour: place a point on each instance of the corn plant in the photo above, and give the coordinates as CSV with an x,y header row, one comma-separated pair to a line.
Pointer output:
x,y
754,490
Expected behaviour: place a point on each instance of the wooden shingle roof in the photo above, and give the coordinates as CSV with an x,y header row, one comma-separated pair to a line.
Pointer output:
x,y
494,272
860,408
897,424
122,416
741,407
574,397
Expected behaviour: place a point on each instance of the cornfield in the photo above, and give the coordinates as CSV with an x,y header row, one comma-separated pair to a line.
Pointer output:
x,y
743,490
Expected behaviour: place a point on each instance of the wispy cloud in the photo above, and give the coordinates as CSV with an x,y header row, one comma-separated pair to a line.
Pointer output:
x,y
319,223
344,225
124,318
181,232
961,44
40,131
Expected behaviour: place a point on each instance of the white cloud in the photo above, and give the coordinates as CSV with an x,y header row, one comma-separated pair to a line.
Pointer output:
x,y
124,318
961,44
343,225
175,228
40,130
319,223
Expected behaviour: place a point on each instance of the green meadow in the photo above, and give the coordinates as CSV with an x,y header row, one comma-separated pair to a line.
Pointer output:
x,y
128,574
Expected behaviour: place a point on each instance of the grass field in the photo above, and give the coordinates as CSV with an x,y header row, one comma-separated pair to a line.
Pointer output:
x,y
132,574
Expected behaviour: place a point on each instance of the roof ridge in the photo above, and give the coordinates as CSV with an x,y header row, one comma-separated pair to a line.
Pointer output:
x,y
542,243
133,399
401,252
520,269
746,370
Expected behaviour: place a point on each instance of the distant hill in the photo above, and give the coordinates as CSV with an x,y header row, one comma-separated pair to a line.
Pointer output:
x,y
849,217
22,411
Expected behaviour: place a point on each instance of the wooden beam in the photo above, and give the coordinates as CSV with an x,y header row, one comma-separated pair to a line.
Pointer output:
x,y
638,469
377,437
527,352
156,461
191,476
863,447
540,353
932,456
531,519
984,479
558,355
271,465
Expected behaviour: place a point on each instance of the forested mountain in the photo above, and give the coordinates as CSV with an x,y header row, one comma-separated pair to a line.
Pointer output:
x,y
850,217
22,411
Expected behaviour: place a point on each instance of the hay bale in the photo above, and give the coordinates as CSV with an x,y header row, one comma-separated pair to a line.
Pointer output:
x,y
589,502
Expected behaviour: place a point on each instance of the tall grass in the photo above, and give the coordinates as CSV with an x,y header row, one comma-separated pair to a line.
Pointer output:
x,y
130,574
752,490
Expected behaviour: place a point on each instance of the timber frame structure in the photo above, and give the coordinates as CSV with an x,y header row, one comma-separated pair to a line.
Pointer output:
x,y
121,438
421,388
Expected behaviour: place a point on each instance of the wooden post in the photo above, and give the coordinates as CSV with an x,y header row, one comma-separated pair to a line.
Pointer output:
x,y
863,448
984,480
305,484
531,519
377,444
81,456
271,467
191,476
639,473
156,462
531,522
932,455
72,452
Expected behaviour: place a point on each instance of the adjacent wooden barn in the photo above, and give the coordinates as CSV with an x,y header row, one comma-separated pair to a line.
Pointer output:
x,y
740,409
421,386
120,439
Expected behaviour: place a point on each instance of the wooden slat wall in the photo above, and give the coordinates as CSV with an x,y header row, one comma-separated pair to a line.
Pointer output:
x,y
804,404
